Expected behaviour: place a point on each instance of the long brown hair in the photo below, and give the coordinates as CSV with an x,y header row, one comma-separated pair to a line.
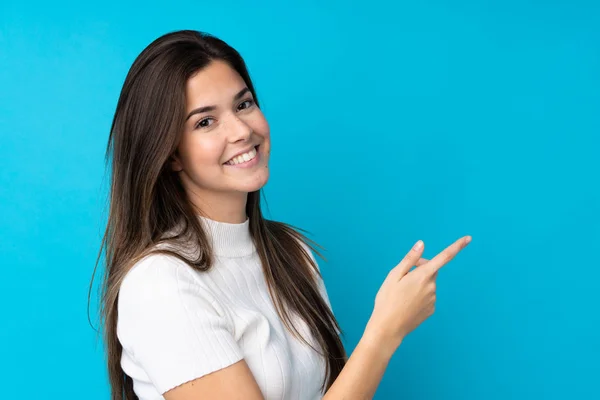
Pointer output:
x,y
147,200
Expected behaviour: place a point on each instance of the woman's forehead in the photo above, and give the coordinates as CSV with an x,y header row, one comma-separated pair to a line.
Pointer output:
x,y
215,84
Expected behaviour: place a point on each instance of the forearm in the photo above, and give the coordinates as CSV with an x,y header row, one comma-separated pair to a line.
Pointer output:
x,y
363,371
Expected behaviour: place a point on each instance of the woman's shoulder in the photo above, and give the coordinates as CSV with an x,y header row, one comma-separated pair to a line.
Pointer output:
x,y
160,274
155,262
154,272
159,263
161,286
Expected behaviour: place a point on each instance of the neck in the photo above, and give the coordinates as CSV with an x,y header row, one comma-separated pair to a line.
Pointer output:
x,y
221,207
229,239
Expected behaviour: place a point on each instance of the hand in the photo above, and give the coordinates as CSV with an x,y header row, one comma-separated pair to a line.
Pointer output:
x,y
406,299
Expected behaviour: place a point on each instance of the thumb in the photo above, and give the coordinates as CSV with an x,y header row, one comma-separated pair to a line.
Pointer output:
x,y
409,260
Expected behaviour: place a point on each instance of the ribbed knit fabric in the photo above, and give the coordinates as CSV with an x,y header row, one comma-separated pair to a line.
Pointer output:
x,y
176,324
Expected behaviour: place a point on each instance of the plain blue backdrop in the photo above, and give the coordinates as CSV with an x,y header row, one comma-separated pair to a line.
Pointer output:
x,y
391,122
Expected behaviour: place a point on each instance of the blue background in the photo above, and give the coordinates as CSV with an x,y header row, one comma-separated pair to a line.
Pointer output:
x,y
390,123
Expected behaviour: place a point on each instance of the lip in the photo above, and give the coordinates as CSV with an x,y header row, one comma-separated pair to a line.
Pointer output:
x,y
241,152
246,164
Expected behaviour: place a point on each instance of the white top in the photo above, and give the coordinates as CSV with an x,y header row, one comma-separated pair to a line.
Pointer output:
x,y
176,324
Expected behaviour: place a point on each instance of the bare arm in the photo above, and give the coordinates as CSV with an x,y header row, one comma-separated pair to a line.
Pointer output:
x,y
358,379
404,301
234,382
363,371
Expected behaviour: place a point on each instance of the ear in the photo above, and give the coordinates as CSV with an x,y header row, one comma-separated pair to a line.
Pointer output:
x,y
175,161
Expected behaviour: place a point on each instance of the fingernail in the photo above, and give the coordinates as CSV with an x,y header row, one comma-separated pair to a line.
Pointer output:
x,y
468,240
418,245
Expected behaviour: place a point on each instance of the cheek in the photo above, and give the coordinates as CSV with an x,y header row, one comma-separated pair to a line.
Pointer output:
x,y
262,129
199,151
261,126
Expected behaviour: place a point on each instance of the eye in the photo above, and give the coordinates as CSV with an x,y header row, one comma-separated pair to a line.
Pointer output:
x,y
202,123
249,102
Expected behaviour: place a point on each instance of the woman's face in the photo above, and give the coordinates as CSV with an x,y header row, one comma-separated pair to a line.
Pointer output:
x,y
225,145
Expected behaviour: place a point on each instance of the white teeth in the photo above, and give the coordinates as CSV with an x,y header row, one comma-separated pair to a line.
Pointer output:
x,y
242,158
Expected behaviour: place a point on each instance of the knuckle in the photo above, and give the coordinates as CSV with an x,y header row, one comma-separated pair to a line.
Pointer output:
x,y
393,272
446,256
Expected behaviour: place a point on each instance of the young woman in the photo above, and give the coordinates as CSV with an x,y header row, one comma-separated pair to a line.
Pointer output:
x,y
204,298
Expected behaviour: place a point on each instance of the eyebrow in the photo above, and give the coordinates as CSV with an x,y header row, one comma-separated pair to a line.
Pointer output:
x,y
212,108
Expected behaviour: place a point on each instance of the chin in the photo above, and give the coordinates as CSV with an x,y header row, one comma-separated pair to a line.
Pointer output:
x,y
256,183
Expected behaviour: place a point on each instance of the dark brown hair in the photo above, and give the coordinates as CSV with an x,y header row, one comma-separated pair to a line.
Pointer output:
x,y
147,200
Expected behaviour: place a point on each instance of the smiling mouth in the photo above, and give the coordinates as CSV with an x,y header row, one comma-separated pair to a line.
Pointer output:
x,y
243,158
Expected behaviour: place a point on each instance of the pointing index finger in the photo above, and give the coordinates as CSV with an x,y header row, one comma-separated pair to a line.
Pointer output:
x,y
447,254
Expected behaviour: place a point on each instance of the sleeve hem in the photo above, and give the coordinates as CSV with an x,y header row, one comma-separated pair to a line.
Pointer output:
x,y
166,384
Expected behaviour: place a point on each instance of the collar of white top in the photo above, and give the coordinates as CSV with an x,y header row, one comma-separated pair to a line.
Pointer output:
x,y
229,240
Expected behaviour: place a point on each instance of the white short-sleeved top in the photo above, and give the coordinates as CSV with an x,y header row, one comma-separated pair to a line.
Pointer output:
x,y
176,324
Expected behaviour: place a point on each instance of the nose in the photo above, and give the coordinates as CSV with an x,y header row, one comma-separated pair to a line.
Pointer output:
x,y
239,130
